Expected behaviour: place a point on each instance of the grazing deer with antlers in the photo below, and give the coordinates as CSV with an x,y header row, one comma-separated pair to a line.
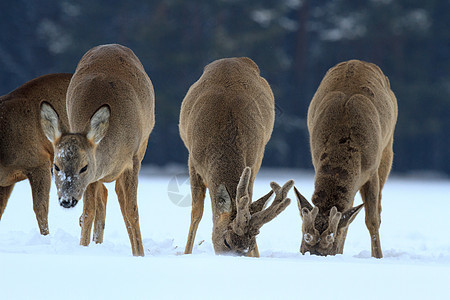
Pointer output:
x,y
110,105
351,122
226,120
25,152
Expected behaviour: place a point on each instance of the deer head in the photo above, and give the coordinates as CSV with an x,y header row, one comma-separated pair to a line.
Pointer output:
x,y
323,232
74,162
236,231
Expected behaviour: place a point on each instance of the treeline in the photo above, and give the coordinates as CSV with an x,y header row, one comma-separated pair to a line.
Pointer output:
x,y
293,41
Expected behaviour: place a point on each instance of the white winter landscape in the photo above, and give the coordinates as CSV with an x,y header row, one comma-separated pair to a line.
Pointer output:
x,y
414,235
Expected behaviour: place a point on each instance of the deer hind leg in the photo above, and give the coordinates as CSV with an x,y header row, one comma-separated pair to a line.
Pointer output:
x,y
126,189
88,215
5,192
370,194
40,180
100,213
385,167
198,190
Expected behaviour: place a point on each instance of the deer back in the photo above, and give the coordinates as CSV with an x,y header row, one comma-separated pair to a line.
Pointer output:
x,y
226,120
23,144
112,75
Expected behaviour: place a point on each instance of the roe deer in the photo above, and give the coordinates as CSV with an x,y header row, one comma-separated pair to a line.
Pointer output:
x,y
351,121
25,152
226,120
110,106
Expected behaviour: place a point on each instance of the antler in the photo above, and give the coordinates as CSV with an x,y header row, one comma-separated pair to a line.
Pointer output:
x,y
331,231
250,217
243,215
278,205
310,231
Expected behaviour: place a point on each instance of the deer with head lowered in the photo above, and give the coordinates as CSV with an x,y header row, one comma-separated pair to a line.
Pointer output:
x,y
25,152
351,122
110,106
226,120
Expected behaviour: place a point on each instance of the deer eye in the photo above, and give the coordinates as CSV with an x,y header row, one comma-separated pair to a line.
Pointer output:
x,y
56,168
84,169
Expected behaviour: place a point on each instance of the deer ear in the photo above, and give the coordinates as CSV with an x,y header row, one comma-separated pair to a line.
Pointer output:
x,y
349,215
302,202
223,200
250,63
99,124
50,122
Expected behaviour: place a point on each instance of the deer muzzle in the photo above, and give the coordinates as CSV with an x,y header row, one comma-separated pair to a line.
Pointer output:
x,y
68,202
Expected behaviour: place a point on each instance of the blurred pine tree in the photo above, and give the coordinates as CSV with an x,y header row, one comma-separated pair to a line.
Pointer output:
x,y
293,41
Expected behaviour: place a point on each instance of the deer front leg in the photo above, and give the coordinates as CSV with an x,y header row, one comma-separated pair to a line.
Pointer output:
x,y
40,180
370,196
255,251
5,192
126,187
198,190
100,213
88,214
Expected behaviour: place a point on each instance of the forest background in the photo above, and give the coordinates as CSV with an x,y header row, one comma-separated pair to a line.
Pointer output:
x,y
294,42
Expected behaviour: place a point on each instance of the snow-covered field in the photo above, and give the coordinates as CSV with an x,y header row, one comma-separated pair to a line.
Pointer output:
x,y
414,235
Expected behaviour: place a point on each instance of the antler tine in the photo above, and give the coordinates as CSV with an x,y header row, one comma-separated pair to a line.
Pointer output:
x,y
281,192
242,188
335,217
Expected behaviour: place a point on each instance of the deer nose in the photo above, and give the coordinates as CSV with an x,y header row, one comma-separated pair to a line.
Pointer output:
x,y
67,202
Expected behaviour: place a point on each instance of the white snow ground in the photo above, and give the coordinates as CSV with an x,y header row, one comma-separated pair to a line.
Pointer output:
x,y
414,234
